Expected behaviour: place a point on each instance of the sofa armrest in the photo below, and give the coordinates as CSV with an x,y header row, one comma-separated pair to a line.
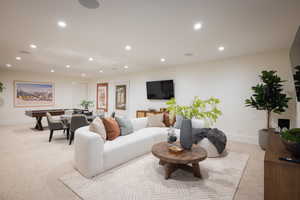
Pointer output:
x,y
88,152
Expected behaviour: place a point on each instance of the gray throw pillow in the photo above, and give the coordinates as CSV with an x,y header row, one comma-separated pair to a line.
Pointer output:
x,y
178,122
125,125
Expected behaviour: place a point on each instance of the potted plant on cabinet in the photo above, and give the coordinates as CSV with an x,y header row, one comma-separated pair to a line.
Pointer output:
x,y
86,104
268,96
199,109
291,140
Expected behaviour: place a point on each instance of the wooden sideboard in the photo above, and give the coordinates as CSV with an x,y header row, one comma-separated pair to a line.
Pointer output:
x,y
282,179
146,113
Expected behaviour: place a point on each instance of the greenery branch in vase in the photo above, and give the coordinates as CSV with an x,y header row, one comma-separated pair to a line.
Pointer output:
x,y
206,110
268,96
86,104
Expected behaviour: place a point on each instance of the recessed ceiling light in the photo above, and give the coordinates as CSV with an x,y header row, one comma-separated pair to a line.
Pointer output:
x,y
52,71
33,46
8,65
128,48
126,67
162,60
62,24
101,71
68,66
197,26
221,48
18,58
83,74
91,59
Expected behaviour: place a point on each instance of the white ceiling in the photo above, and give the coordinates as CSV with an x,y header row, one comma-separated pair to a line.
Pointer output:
x,y
154,29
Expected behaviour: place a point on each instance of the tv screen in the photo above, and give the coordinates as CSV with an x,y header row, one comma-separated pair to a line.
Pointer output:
x,y
160,89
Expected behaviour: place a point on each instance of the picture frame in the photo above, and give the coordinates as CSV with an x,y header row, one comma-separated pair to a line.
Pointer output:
x,y
33,94
102,96
121,95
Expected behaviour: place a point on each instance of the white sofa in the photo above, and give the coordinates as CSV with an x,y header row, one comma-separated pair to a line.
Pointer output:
x,y
93,155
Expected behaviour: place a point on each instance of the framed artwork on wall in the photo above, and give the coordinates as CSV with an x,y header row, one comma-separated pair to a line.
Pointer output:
x,y
102,96
33,94
120,97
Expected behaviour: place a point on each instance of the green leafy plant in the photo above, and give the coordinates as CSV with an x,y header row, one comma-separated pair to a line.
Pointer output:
x,y
86,104
1,87
291,135
199,109
268,95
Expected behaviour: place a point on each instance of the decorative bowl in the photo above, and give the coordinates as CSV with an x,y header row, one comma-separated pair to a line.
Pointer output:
x,y
175,149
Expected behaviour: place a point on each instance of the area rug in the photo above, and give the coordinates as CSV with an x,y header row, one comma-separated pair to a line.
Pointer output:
x,y
143,179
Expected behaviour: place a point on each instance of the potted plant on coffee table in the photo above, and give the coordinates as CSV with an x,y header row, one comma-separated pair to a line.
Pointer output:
x,y
268,96
199,109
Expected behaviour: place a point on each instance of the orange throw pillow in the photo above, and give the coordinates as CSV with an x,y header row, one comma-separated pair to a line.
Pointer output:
x,y
112,128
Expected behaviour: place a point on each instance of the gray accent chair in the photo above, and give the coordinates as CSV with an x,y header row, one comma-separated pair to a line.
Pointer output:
x,y
77,121
55,125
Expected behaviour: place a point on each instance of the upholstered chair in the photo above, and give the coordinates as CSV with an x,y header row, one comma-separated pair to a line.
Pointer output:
x,y
69,112
55,125
77,121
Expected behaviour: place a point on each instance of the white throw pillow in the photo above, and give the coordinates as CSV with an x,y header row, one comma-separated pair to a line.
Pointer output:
x,y
139,123
198,123
97,126
156,121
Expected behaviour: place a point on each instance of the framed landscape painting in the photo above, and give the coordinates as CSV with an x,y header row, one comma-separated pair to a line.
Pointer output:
x,y
120,97
33,94
102,96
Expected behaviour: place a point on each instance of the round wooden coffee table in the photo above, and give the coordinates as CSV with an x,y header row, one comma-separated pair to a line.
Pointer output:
x,y
173,161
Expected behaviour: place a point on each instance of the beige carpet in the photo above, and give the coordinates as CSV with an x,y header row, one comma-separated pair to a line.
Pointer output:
x,y
30,166
143,178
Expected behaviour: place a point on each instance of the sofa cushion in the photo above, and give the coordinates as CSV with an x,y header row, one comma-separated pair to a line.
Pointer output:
x,y
112,128
198,123
97,126
167,120
139,123
156,120
125,125
127,147
178,122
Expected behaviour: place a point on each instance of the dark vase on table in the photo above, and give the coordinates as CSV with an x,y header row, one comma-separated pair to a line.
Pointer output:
x,y
186,136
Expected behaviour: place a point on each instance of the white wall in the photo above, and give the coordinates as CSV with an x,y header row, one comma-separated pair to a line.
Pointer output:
x,y
229,80
295,61
68,93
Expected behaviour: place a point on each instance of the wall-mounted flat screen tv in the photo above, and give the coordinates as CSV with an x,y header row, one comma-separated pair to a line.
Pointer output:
x,y
160,89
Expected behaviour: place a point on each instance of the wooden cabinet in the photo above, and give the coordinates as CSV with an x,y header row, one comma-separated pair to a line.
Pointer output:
x,y
146,113
282,179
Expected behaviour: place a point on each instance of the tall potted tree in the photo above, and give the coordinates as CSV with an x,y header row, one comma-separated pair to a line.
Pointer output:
x,y
1,87
268,96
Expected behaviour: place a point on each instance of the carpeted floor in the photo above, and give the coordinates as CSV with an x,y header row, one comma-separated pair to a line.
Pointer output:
x,y
30,166
143,178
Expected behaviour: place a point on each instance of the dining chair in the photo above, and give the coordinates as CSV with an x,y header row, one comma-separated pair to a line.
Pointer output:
x,y
77,121
55,125
69,112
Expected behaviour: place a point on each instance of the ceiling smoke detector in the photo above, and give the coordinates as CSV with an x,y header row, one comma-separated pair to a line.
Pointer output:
x,y
188,54
90,4
24,52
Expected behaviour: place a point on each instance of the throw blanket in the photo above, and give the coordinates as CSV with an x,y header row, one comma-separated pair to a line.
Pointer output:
x,y
215,136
